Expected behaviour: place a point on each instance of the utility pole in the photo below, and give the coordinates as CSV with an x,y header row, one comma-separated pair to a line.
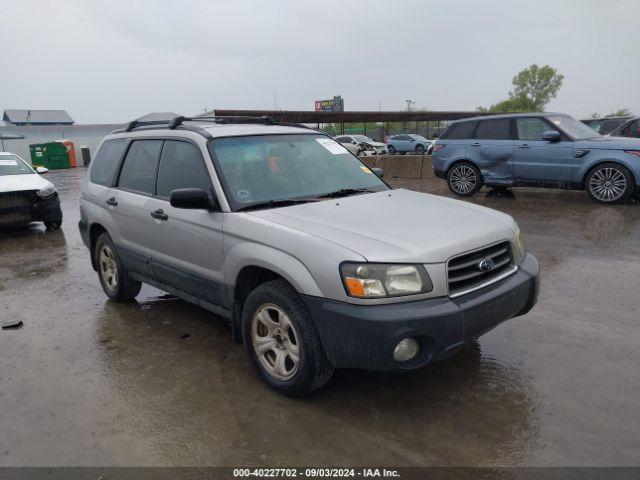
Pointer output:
x,y
409,103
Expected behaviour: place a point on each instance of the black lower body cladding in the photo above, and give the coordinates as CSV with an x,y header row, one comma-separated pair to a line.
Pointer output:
x,y
364,337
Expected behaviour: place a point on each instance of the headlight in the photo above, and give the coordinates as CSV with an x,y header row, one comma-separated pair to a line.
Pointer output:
x,y
47,191
377,280
519,251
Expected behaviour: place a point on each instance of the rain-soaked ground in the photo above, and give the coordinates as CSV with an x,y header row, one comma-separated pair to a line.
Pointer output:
x,y
159,382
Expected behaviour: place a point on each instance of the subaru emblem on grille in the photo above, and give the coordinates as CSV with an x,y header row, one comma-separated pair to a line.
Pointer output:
x,y
486,265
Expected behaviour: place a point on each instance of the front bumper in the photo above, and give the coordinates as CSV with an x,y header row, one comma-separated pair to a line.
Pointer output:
x,y
364,336
440,173
29,207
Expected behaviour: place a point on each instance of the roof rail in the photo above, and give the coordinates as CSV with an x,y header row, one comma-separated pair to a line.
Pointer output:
x,y
178,121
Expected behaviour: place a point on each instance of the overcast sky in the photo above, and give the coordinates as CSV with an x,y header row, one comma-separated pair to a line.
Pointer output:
x,y
113,60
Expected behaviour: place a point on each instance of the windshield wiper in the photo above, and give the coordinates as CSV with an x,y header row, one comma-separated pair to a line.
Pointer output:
x,y
275,204
345,192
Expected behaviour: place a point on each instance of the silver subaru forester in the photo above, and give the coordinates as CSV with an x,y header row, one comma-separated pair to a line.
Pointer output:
x,y
313,260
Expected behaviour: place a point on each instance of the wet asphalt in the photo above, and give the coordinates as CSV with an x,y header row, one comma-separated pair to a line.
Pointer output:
x,y
159,382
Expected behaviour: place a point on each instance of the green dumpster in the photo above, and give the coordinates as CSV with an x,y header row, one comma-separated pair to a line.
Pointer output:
x,y
52,155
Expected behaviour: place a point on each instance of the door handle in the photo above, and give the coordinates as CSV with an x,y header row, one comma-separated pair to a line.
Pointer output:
x,y
524,145
112,202
159,214
476,144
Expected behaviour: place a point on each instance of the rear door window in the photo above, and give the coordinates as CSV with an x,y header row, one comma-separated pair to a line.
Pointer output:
x,y
499,129
104,166
181,166
635,129
460,131
139,168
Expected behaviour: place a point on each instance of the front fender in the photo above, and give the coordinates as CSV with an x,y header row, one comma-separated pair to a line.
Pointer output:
x,y
288,267
632,164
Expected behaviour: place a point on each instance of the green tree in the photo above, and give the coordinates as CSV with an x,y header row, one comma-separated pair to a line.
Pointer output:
x,y
621,112
533,89
537,85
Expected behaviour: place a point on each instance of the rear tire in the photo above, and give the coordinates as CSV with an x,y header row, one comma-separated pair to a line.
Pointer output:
x,y
114,278
464,179
281,340
610,183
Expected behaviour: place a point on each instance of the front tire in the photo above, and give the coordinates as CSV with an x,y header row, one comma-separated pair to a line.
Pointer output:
x,y
391,149
610,183
114,278
464,179
53,223
419,150
281,340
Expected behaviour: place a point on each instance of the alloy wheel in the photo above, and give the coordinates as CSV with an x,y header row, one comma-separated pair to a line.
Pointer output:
x,y
608,184
275,342
463,179
108,268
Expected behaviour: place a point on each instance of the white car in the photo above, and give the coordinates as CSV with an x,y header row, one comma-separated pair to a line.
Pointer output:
x,y
25,196
362,145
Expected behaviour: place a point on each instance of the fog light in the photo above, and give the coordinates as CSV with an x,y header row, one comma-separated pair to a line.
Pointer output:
x,y
406,350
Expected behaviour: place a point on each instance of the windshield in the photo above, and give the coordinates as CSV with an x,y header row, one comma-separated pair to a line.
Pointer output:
x,y
572,127
13,165
363,139
280,167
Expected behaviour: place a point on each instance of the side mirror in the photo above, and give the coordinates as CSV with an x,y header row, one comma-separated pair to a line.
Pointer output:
x,y
190,198
551,136
42,170
412,140
378,171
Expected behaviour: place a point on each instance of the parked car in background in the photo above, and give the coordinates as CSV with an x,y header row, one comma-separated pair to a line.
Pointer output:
x,y
605,125
630,128
308,283
408,143
25,196
361,144
540,150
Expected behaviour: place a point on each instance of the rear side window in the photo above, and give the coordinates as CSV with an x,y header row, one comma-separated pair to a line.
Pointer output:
x,y
104,165
459,131
181,166
635,129
343,139
139,169
494,129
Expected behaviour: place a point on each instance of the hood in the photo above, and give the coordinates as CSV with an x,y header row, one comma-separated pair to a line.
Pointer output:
x,y
17,183
610,143
397,225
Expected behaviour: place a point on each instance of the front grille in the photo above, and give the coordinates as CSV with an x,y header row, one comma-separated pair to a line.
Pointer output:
x,y
16,206
465,273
